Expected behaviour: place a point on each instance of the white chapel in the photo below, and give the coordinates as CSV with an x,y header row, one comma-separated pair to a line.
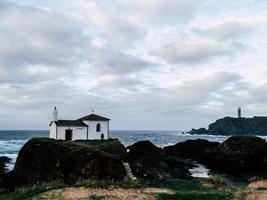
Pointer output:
x,y
89,127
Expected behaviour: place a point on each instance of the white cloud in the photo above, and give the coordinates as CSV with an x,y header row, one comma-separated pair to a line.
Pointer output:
x,y
160,11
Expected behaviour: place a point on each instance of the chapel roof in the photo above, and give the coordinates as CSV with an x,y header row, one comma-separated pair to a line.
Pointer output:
x,y
94,117
69,123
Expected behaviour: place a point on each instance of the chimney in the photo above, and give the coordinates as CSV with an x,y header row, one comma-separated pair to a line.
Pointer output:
x,y
55,114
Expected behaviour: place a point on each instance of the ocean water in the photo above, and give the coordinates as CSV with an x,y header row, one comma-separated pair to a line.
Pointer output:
x,y
12,141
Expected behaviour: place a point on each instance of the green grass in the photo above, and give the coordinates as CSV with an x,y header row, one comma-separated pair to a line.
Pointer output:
x,y
96,197
27,193
184,189
191,190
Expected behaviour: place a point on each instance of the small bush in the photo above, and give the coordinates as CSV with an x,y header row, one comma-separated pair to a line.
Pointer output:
x,y
216,181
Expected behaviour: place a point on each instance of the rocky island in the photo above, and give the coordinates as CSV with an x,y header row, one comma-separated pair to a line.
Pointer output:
x,y
235,126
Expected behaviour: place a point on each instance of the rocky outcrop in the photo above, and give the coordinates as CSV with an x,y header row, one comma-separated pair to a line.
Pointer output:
x,y
235,126
45,160
242,156
150,162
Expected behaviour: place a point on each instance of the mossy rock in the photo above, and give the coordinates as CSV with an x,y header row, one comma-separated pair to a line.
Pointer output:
x,y
44,160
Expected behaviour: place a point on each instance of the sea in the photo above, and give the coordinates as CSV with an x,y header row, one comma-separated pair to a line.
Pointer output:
x,y
11,141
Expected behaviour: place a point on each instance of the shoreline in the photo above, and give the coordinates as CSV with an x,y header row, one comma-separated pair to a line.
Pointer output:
x,y
147,162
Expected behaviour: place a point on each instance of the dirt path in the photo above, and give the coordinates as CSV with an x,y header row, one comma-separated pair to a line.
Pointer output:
x,y
256,191
82,193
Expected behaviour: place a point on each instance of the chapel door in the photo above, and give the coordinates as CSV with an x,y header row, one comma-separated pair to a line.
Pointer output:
x,y
68,134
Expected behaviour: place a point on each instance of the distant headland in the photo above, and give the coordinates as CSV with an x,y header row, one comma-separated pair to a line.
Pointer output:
x,y
235,126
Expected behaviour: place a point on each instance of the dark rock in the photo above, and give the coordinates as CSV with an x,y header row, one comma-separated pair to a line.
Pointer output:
x,y
150,162
235,126
143,148
201,131
3,162
3,168
199,150
241,155
44,160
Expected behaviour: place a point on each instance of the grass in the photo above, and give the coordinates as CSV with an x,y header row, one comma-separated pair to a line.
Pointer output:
x,y
96,197
184,189
112,146
191,190
27,193
216,181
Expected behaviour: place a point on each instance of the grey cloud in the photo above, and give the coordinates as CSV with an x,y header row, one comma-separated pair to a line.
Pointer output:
x,y
195,53
116,62
121,34
230,29
33,36
38,45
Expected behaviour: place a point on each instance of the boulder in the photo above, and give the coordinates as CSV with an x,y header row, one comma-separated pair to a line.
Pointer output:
x,y
199,150
241,155
143,148
45,160
150,162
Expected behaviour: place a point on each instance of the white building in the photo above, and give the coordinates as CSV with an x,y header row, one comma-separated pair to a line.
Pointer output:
x,y
90,127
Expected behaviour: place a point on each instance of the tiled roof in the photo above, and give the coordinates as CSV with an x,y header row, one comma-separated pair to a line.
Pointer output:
x,y
69,123
94,117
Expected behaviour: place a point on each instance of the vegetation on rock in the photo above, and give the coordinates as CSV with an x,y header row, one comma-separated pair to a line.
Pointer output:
x,y
45,160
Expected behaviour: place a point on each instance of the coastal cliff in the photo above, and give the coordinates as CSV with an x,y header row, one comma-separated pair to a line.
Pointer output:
x,y
235,126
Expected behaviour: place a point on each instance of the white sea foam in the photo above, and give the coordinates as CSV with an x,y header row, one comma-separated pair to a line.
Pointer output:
x,y
200,171
10,148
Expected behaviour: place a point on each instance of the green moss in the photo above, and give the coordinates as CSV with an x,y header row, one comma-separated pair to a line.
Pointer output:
x,y
112,146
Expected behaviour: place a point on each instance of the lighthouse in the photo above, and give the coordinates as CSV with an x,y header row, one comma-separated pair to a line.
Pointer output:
x,y
239,112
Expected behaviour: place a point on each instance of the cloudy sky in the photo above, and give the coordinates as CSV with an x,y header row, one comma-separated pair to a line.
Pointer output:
x,y
155,64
